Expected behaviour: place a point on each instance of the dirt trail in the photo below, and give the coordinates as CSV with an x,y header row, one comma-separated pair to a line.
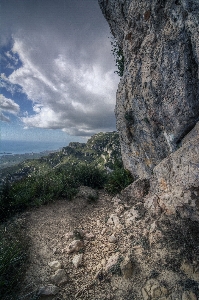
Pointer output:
x,y
48,227
129,252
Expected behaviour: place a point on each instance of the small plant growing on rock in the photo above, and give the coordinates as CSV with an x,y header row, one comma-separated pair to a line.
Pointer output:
x,y
119,57
190,284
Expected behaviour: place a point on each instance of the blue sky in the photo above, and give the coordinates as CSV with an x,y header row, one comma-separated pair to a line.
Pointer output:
x,y
57,70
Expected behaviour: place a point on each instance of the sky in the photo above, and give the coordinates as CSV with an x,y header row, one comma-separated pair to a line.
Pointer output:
x,y
57,70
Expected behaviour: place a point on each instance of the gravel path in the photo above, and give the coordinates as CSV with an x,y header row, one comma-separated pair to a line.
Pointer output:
x,y
49,229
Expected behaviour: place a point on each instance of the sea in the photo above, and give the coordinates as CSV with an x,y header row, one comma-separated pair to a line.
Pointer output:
x,y
22,147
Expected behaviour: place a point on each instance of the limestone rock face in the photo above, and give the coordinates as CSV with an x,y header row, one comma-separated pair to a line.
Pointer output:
x,y
175,183
158,95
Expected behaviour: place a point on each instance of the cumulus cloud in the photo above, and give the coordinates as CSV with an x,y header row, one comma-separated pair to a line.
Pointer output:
x,y
66,71
8,106
79,99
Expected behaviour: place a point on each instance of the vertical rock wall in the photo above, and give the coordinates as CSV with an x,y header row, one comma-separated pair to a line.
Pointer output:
x,y
158,95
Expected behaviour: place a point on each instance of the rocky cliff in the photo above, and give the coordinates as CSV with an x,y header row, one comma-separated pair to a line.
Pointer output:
x,y
158,95
157,114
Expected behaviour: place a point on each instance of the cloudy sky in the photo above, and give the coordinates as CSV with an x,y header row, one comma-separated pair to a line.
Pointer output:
x,y
57,70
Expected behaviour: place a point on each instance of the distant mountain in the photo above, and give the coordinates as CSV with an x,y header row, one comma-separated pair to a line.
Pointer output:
x,y
101,150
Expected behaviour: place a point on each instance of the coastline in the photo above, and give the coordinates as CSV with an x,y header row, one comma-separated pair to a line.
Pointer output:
x,y
9,148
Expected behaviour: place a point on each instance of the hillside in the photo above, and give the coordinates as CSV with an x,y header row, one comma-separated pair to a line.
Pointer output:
x,y
34,182
101,150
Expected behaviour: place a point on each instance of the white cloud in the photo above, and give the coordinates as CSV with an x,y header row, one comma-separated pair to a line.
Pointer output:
x,y
76,97
12,58
8,105
12,88
67,70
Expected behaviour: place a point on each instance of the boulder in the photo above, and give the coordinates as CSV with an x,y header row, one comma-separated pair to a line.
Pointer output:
x,y
154,290
189,295
87,193
113,220
112,239
89,236
68,235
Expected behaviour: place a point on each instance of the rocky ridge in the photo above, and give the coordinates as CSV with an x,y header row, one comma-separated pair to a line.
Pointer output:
x,y
157,97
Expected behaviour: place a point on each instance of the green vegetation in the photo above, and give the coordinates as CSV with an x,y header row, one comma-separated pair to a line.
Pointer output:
x,y
59,183
10,160
118,180
119,57
13,258
96,164
129,118
101,150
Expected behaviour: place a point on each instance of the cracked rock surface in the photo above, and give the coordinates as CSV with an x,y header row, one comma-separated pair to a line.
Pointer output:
x,y
157,97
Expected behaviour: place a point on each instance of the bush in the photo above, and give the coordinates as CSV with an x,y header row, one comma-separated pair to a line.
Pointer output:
x,y
118,180
13,257
59,183
90,176
37,190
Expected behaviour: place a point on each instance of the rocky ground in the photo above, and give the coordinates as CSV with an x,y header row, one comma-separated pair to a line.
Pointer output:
x,y
111,248
54,229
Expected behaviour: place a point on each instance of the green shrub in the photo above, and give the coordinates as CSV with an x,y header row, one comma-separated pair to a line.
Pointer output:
x,y
5,200
129,118
118,180
90,176
40,189
59,183
13,257
119,57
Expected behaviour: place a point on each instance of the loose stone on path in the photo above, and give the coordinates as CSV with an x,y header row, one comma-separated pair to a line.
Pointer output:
x,y
55,265
77,260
